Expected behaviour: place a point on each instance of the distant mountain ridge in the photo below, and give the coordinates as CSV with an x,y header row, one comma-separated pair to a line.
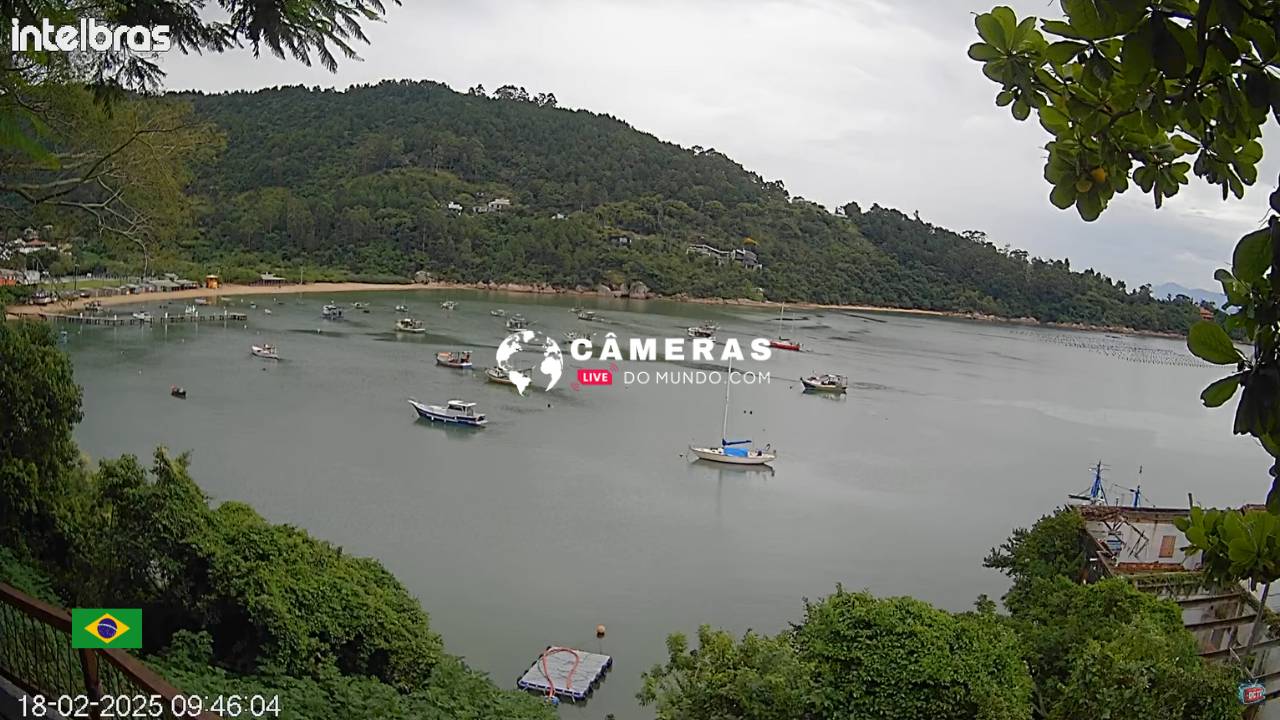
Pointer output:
x,y
382,180
1172,289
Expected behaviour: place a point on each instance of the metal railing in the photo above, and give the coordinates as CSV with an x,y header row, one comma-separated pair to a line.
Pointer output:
x,y
36,655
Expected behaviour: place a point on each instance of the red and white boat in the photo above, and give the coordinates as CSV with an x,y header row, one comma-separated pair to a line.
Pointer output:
x,y
780,342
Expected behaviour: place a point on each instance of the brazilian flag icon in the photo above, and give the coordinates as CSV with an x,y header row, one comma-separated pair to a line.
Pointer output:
x,y
106,628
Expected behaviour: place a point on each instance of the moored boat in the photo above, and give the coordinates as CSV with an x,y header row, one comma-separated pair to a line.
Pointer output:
x,y
705,330
827,382
456,360
448,304
733,452
409,325
266,352
331,312
454,412
201,301
780,342
517,322
94,306
180,393
142,315
498,312
587,315
575,335
402,308
502,377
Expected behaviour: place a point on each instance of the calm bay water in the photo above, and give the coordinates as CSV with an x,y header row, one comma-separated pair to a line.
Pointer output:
x,y
576,508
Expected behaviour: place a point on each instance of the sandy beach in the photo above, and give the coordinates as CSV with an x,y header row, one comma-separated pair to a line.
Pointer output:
x,y
226,290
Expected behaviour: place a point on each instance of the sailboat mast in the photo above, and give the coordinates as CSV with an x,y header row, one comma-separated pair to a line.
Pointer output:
x,y
780,314
724,428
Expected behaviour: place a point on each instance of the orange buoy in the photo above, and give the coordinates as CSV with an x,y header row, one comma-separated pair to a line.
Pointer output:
x,y
599,631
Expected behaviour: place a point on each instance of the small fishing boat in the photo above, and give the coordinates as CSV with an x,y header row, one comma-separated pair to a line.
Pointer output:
x,y
253,306
331,312
498,313
575,310
178,392
201,301
455,412
458,361
502,377
142,315
266,352
706,330
827,382
190,310
402,308
733,452
448,305
359,306
409,325
517,322
575,335
267,310
587,315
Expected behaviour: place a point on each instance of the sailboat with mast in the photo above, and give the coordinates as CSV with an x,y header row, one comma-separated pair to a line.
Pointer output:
x,y
733,452
781,342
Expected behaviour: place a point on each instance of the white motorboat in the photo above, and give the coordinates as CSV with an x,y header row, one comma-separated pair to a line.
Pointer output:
x,y
827,382
733,452
191,310
448,305
201,301
142,316
706,330
498,313
331,312
517,322
409,325
266,352
402,308
455,412
587,315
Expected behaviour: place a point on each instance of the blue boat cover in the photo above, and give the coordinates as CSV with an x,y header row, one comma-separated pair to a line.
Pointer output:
x,y
735,452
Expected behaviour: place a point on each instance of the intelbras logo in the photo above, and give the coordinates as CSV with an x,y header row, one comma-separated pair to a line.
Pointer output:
x,y
88,35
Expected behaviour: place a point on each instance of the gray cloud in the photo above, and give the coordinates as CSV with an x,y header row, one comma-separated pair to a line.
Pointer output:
x,y
868,100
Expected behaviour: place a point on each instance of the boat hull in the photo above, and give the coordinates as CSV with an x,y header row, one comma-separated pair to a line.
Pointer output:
x,y
718,455
819,387
455,364
264,354
784,345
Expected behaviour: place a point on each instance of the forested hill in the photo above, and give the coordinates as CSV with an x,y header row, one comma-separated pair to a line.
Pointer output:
x,y
362,180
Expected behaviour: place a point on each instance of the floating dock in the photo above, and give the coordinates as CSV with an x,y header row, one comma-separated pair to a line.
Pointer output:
x,y
572,674
165,319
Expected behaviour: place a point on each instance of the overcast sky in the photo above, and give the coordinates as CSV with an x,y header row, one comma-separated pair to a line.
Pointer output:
x,y
865,100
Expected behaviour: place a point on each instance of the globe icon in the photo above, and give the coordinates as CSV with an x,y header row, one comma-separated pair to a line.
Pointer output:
x,y
552,364
106,628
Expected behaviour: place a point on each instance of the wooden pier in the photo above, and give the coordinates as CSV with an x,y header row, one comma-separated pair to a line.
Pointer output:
x,y
165,319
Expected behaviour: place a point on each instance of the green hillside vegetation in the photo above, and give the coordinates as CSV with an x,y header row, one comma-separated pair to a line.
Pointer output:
x,y
356,184
231,600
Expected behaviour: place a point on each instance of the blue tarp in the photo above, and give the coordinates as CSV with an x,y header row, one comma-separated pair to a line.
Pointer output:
x,y
735,451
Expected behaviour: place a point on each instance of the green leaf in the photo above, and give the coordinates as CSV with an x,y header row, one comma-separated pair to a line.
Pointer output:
x,y
1021,110
1062,51
1252,256
1062,29
1221,391
1209,342
1136,56
1089,205
1022,33
1170,57
1063,196
991,30
984,52
1003,98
